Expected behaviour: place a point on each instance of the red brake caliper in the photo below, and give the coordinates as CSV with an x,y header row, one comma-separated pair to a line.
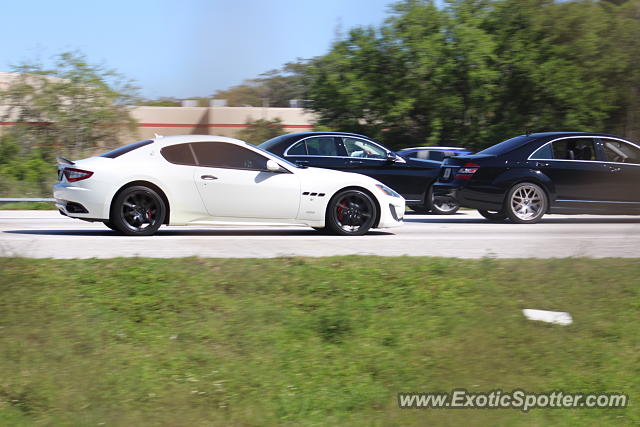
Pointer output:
x,y
341,207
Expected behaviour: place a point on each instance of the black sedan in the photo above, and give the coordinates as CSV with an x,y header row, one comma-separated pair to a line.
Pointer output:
x,y
525,177
350,152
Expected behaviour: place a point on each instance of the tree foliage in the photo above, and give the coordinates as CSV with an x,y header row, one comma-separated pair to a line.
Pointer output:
x,y
274,88
69,109
260,130
475,72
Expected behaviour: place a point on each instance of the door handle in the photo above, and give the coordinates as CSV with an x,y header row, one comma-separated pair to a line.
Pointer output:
x,y
542,164
302,162
614,169
208,177
354,162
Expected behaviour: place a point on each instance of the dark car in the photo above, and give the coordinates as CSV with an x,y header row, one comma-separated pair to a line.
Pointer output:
x,y
432,153
525,177
350,152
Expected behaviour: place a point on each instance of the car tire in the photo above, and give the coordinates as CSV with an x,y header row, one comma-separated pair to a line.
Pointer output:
x,y
137,211
350,213
110,225
419,209
493,215
441,207
526,203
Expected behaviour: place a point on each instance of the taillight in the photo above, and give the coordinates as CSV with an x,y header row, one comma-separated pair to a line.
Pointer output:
x,y
467,170
74,175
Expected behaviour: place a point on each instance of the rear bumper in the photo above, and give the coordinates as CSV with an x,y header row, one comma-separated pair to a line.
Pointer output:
x,y
486,198
79,202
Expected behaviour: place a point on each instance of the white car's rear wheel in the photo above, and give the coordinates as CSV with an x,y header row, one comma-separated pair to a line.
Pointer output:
x,y
351,213
138,211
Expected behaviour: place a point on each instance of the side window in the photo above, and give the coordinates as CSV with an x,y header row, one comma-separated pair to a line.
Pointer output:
x,y
436,155
574,149
543,153
231,156
299,149
321,146
620,152
360,148
180,154
421,154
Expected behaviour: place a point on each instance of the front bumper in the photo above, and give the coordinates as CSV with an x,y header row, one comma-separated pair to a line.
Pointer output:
x,y
391,212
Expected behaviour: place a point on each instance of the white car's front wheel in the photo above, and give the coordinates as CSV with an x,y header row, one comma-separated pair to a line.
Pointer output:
x,y
137,211
351,213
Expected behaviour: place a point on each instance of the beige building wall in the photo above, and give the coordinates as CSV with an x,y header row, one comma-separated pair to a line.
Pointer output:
x,y
225,121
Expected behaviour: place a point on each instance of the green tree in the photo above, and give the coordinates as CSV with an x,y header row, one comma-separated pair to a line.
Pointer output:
x,y
258,131
474,72
274,88
69,109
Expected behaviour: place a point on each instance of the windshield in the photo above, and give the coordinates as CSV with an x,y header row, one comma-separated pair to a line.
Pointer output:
x,y
506,146
276,156
273,141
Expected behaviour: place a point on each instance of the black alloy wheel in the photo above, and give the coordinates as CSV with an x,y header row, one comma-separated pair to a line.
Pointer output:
x,y
493,215
138,211
351,213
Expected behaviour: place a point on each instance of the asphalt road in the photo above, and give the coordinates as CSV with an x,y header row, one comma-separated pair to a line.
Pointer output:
x,y
47,234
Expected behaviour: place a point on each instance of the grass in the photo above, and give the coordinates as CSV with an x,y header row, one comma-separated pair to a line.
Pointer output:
x,y
33,206
297,341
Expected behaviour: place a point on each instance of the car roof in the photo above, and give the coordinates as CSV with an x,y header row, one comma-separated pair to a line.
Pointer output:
x,y
180,139
434,148
567,133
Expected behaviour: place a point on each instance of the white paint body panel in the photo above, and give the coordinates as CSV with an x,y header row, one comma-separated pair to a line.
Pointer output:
x,y
234,197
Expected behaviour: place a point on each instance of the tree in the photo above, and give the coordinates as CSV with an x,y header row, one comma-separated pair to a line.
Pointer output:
x,y
69,109
258,131
474,72
274,88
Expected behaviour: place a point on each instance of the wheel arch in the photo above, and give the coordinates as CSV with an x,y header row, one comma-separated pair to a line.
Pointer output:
x,y
376,222
532,176
152,186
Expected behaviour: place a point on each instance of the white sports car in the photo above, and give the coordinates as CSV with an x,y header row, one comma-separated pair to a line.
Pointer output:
x,y
204,179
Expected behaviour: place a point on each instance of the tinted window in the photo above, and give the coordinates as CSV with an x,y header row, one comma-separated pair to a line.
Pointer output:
x,y
620,152
179,154
360,148
436,155
544,153
508,145
223,155
298,149
321,146
574,149
126,148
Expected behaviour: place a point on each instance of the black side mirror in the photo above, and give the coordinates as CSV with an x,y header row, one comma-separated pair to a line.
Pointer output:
x,y
391,156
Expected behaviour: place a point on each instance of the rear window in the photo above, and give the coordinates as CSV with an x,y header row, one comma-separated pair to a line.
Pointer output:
x,y
508,145
126,148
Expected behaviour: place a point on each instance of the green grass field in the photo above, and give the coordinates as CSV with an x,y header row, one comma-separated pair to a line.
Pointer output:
x,y
298,341
32,206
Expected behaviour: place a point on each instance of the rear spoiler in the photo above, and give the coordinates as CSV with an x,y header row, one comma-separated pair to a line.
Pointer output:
x,y
64,161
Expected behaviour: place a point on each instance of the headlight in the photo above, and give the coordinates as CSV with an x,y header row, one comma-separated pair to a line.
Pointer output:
x,y
386,190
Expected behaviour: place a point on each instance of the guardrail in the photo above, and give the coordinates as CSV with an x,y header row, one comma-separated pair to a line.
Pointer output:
x,y
23,199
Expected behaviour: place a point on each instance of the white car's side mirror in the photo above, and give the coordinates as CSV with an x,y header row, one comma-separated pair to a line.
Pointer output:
x,y
273,166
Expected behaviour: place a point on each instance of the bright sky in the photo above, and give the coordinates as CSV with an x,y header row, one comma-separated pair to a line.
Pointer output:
x,y
180,48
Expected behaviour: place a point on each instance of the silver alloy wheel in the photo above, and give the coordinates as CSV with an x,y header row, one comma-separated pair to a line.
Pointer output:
x,y
527,202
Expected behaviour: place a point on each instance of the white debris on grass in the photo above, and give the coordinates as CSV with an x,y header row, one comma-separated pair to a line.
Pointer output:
x,y
556,317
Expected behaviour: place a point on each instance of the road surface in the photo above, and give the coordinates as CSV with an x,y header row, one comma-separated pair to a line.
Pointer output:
x,y
47,234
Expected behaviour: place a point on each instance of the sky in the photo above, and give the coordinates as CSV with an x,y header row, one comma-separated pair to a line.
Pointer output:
x,y
180,48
